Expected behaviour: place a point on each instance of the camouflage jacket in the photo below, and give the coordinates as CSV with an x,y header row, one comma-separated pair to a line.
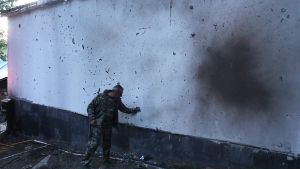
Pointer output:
x,y
104,108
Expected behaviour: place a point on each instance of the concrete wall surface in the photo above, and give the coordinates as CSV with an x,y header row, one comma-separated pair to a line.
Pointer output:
x,y
220,69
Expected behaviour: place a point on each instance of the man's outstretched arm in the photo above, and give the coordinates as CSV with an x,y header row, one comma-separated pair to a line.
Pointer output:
x,y
127,110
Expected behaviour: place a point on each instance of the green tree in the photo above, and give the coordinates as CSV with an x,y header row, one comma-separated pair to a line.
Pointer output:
x,y
6,4
3,49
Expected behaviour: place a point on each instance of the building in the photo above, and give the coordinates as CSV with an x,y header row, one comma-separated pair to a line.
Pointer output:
x,y
213,78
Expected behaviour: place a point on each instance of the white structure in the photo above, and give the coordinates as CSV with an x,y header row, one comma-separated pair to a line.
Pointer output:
x,y
60,56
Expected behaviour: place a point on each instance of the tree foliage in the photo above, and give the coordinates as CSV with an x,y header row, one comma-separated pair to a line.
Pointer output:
x,y
6,4
3,49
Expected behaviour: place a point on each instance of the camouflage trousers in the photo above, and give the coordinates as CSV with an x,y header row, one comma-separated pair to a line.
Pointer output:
x,y
95,135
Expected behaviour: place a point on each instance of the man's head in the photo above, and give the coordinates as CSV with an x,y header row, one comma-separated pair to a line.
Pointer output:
x,y
117,90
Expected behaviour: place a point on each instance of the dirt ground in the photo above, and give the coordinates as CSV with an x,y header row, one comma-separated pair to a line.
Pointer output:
x,y
26,154
21,153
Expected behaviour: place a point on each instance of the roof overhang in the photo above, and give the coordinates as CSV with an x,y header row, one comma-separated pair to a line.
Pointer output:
x,y
30,7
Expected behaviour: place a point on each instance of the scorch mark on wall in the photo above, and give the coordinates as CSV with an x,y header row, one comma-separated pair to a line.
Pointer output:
x,y
230,73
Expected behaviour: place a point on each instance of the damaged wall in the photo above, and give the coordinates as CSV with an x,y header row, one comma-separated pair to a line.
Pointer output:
x,y
216,69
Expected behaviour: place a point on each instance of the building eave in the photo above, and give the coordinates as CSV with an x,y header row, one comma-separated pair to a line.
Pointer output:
x,y
30,7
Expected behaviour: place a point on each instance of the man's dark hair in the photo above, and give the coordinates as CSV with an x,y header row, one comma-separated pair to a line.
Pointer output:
x,y
118,87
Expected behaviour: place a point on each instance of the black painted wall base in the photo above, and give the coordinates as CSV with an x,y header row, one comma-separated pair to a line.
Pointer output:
x,y
54,124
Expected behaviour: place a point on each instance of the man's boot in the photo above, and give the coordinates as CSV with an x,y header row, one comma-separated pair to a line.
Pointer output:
x,y
86,160
85,164
106,156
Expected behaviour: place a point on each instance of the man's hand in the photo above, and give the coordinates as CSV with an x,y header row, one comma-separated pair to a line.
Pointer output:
x,y
136,110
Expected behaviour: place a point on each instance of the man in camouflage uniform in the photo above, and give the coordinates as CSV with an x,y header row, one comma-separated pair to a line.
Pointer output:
x,y
103,115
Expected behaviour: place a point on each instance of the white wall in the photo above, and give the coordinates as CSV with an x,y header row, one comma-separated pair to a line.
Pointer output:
x,y
60,56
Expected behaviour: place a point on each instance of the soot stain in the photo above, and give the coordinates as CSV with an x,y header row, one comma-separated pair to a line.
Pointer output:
x,y
230,72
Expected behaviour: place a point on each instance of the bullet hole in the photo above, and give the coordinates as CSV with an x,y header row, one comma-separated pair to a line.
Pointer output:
x,y
107,70
71,16
174,53
202,19
82,46
83,88
288,16
191,7
137,33
19,25
229,72
193,35
216,26
135,72
73,41
136,97
36,39
281,78
61,59
59,16
99,60
283,10
49,67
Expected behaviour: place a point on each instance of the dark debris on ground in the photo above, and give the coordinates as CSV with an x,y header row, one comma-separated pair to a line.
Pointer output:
x,y
19,153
